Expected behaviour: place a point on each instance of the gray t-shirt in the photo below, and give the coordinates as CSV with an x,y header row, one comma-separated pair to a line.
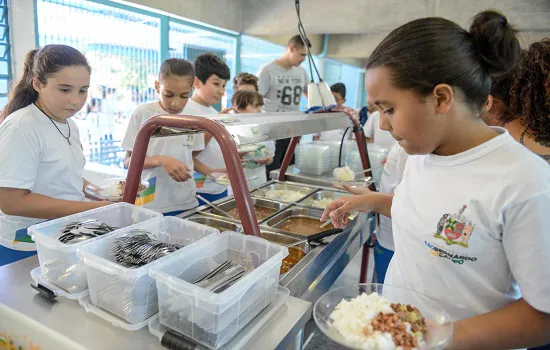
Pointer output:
x,y
282,88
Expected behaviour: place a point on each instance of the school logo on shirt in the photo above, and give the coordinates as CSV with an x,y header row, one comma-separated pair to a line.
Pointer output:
x,y
455,228
440,252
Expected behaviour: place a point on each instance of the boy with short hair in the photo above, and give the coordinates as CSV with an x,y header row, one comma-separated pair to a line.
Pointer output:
x,y
211,76
245,81
339,92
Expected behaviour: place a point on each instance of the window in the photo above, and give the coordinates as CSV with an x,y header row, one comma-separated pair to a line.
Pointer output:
x,y
257,52
122,47
363,95
125,46
5,61
333,72
188,42
351,77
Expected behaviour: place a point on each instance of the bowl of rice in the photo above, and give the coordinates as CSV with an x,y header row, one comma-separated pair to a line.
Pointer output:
x,y
376,316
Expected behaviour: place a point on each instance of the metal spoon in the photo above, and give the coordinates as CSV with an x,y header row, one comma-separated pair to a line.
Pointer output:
x,y
215,207
326,223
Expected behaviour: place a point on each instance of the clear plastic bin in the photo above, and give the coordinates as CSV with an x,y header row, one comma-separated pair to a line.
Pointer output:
x,y
213,319
36,275
59,262
159,330
116,321
131,294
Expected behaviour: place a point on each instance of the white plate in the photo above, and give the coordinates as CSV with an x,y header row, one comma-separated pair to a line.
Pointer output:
x,y
249,148
358,182
95,191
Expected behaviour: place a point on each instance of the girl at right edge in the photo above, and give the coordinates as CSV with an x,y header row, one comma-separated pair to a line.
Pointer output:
x,y
470,215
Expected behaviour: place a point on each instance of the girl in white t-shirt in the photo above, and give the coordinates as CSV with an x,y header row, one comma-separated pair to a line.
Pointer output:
x,y
42,159
469,217
244,101
169,162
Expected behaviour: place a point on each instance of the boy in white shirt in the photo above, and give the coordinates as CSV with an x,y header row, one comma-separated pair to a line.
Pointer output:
x,y
169,163
211,78
251,102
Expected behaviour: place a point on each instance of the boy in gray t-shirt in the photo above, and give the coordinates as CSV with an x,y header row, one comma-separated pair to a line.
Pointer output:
x,y
282,88
282,83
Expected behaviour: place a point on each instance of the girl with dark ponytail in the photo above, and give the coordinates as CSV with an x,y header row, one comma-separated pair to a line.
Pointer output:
x,y
470,215
40,150
22,94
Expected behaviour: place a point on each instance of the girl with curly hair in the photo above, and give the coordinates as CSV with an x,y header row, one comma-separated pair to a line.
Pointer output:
x,y
529,117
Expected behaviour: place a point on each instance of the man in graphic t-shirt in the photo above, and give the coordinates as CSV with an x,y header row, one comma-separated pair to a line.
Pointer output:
x,y
282,83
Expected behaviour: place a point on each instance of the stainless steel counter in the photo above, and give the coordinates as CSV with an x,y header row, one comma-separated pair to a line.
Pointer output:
x,y
316,272
278,329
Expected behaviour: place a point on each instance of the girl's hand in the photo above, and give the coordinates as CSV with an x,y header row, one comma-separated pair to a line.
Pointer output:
x,y
339,210
176,169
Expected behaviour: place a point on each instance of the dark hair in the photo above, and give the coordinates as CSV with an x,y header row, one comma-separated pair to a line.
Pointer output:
x,y
297,41
176,66
41,64
209,64
339,88
242,98
530,90
431,51
500,89
245,78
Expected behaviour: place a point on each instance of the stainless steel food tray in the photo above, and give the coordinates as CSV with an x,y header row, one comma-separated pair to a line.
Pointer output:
x,y
261,192
258,202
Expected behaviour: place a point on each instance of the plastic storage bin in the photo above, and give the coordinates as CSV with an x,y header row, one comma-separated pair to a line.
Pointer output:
x,y
334,147
59,263
313,159
213,319
247,332
131,294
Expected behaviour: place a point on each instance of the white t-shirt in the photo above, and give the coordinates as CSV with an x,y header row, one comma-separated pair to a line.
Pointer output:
x,y
471,230
164,194
258,175
35,157
391,177
212,154
380,137
282,88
